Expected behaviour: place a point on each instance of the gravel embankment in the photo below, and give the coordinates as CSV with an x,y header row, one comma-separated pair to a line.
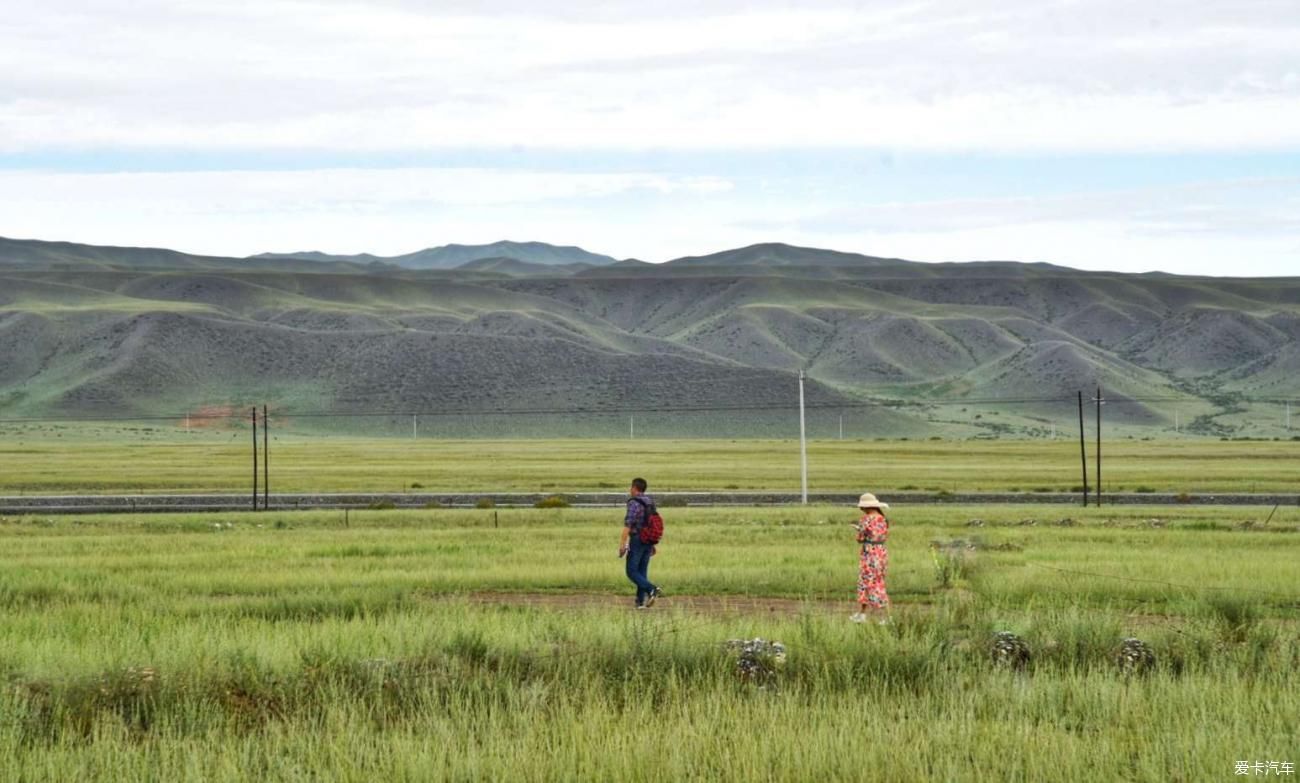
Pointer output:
x,y
83,504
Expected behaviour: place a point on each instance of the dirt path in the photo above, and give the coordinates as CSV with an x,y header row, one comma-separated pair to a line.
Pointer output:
x,y
735,606
702,604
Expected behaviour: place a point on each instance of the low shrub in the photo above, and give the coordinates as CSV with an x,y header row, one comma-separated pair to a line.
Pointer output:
x,y
1236,615
953,561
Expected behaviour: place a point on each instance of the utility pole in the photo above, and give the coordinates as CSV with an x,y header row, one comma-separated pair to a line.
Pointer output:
x,y
254,457
1083,452
1175,422
1288,414
803,442
841,426
631,427
1098,399
266,459
415,426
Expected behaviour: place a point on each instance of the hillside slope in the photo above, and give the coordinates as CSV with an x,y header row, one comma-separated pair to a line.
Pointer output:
x,y
453,256
504,333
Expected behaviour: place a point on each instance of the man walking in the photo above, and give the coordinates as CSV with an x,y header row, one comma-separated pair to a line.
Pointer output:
x,y
639,508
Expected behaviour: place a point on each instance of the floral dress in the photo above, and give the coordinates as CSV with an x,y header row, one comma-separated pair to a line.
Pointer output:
x,y
873,529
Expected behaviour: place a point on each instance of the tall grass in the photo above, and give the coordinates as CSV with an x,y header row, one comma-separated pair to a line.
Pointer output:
x,y
164,648
542,695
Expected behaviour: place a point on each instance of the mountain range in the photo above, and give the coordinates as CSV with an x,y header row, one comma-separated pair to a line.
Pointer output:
x,y
895,346
453,256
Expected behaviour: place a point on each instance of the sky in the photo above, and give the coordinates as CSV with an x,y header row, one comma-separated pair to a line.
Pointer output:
x,y
1098,134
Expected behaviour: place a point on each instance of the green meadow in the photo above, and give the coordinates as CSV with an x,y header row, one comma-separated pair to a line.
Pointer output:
x,y
410,645
38,459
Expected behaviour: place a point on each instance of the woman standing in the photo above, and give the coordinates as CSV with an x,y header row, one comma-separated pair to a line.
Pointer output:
x,y
872,531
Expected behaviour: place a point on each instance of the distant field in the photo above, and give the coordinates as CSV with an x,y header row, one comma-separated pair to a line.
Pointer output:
x,y
284,646
164,460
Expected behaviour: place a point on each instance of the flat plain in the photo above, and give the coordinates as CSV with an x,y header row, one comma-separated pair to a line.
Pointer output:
x,y
412,645
37,459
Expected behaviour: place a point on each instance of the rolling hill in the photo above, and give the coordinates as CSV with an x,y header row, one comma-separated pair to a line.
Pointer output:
x,y
778,254
453,256
988,348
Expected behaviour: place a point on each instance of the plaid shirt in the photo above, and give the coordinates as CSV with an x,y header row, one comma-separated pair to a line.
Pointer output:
x,y
636,513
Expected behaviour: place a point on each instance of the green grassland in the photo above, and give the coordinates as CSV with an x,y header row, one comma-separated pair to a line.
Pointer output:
x,y
38,459
288,646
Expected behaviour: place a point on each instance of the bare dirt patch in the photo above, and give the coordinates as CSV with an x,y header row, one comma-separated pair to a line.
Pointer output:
x,y
701,604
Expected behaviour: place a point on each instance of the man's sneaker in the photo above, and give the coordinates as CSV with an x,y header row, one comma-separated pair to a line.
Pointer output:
x,y
640,606
650,599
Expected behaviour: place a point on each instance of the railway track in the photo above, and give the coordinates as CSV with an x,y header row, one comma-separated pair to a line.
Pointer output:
x,y
171,503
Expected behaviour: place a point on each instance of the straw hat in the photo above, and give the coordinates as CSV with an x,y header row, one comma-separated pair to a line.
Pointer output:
x,y
868,500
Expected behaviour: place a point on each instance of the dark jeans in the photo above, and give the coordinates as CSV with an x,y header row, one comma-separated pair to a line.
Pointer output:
x,y
638,563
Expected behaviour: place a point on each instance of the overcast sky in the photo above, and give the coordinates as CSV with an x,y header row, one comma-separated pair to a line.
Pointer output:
x,y
1103,135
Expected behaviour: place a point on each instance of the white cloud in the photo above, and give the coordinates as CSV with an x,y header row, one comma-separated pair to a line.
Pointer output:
x,y
1015,75
1228,208
487,78
1247,227
1234,228
384,211
252,191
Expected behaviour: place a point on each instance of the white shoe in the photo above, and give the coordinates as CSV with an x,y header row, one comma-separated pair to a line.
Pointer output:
x,y
858,617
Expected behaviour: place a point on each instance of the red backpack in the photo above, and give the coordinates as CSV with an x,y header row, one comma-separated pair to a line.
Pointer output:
x,y
652,528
